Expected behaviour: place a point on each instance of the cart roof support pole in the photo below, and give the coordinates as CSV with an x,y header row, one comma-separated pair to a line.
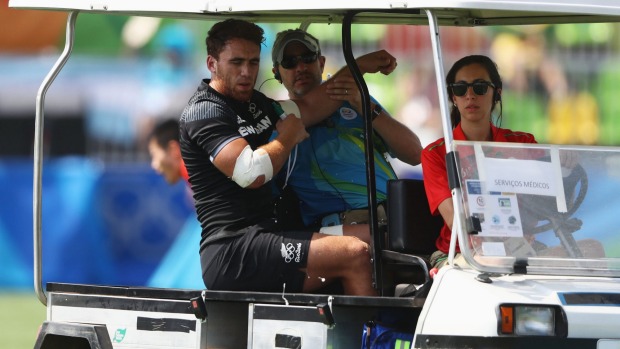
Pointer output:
x,y
458,222
38,154
376,244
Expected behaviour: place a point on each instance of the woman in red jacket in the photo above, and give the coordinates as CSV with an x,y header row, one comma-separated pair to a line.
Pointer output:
x,y
475,90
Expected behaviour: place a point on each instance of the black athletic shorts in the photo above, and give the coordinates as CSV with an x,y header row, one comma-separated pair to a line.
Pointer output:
x,y
258,260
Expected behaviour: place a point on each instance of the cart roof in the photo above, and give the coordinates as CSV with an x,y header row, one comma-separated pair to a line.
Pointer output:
x,y
449,12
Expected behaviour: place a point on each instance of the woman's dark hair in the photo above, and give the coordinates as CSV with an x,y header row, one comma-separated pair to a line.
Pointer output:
x,y
230,29
491,68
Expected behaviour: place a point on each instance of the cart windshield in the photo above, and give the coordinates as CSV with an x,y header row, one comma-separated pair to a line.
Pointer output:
x,y
539,208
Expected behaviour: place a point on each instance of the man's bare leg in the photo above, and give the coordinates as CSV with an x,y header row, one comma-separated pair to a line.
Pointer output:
x,y
344,258
360,231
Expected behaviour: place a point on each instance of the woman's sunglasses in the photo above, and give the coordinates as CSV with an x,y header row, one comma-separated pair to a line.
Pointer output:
x,y
480,88
289,62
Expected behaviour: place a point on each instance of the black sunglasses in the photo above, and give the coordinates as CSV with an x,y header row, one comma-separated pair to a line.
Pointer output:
x,y
289,62
480,88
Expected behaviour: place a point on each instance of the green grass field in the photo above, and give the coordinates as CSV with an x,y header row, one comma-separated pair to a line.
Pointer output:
x,y
21,314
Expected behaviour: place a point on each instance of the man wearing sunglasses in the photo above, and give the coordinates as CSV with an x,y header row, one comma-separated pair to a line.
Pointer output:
x,y
225,137
327,171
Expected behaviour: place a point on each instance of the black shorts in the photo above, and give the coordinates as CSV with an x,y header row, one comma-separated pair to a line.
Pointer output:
x,y
258,260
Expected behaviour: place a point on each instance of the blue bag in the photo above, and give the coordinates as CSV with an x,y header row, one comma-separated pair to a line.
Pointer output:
x,y
377,336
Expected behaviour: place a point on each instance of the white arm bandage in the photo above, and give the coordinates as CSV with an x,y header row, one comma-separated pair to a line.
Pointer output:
x,y
290,107
251,165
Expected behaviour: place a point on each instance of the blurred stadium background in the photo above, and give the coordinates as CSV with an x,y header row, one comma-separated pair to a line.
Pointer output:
x,y
108,219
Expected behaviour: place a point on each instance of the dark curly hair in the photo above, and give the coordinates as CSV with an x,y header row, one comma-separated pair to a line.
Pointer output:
x,y
229,29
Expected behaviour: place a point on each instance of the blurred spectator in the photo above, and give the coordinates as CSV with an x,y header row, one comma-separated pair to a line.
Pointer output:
x,y
165,152
180,267
549,105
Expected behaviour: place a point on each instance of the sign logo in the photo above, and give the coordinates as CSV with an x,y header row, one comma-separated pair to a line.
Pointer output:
x,y
119,335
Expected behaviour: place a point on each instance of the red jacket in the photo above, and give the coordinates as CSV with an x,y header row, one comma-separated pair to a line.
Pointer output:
x,y
436,177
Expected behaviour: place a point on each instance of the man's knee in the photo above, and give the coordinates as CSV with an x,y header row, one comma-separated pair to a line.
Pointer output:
x,y
359,253
360,247
342,251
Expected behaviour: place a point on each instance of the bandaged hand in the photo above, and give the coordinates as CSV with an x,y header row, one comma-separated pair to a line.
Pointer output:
x,y
292,129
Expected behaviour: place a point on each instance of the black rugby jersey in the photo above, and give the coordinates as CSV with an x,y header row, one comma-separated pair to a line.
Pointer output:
x,y
208,123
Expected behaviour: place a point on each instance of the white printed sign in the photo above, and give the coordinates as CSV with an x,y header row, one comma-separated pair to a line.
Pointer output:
x,y
519,176
497,212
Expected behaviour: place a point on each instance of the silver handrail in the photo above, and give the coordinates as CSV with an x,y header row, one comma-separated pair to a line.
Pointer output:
x,y
38,154
439,75
458,223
